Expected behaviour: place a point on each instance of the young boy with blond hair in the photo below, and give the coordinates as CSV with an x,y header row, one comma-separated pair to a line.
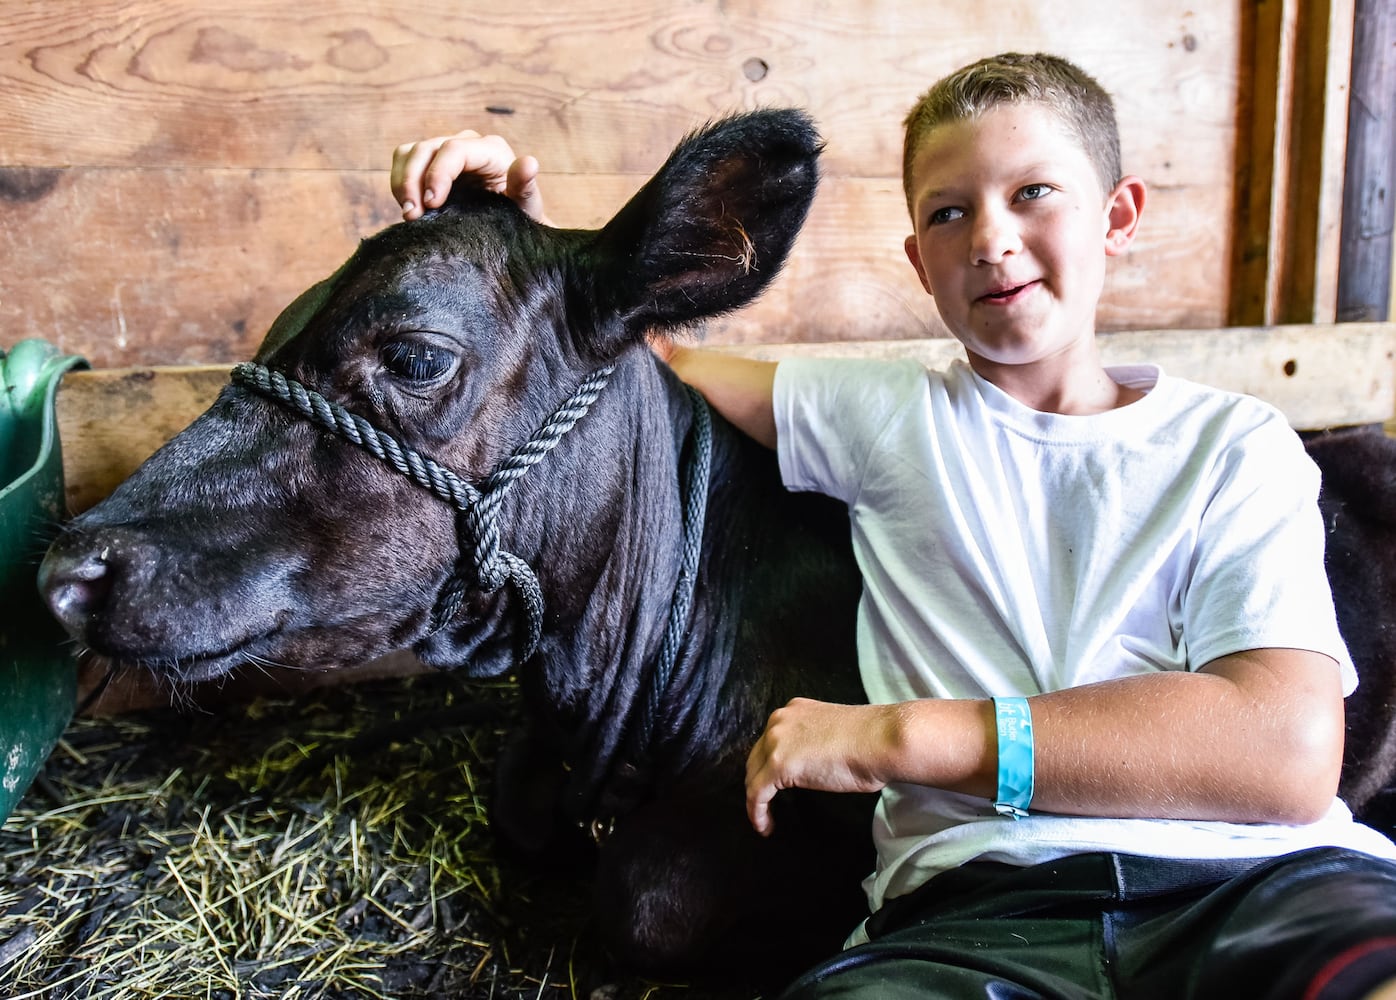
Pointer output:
x,y
1104,674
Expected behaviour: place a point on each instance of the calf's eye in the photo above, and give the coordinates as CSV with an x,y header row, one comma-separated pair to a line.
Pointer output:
x,y
416,360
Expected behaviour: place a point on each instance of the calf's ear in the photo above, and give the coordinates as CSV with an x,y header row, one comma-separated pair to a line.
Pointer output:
x,y
709,231
292,320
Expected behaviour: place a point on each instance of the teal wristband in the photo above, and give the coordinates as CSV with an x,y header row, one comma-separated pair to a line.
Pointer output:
x,y
1013,721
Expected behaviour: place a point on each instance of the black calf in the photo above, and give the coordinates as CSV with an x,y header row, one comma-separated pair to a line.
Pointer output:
x,y
359,491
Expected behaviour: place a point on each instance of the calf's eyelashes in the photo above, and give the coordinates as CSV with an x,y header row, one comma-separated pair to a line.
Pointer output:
x,y
417,360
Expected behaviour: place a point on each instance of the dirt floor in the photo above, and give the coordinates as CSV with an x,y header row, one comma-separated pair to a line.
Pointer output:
x,y
336,845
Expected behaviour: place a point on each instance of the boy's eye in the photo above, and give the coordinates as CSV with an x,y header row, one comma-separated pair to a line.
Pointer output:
x,y
943,215
1034,191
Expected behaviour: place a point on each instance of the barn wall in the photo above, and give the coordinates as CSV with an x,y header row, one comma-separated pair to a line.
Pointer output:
x,y
172,174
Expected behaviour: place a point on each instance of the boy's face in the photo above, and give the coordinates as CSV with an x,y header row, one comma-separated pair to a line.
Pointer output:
x,y
1011,233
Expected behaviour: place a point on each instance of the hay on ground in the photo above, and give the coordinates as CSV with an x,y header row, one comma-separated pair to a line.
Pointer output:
x,y
333,846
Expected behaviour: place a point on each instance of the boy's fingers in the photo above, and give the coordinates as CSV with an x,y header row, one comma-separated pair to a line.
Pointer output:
x,y
484,160
395,173
759,790
758,809
409,164
522,187
424,172
396,178
448,161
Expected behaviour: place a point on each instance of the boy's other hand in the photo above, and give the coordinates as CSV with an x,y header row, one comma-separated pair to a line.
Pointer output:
x,y
819,746
423,172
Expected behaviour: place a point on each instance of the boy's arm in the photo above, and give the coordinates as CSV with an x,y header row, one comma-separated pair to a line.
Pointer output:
x,y
1254,737
739,388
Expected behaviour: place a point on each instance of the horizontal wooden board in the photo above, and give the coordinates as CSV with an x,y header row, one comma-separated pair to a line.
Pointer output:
x,y
112,420
166,267
1320,376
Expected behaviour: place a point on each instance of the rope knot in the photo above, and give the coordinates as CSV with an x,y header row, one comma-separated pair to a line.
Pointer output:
x,y
489,574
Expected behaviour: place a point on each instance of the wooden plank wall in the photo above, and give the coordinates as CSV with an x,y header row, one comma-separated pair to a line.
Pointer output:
x,y
1292,135
173,173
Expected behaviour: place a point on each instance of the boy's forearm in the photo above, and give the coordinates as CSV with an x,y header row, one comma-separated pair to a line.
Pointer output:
x,y
741,389
1254,738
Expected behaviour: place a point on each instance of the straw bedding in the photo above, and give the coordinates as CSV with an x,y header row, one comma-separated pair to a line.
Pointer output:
x,y
336,845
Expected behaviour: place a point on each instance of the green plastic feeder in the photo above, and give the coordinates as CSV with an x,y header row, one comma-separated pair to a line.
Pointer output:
x,y
38,672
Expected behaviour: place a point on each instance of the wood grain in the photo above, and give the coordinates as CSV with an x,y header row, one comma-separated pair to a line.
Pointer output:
x,y
161,267
1307,281
1292,130
597,86
1366,259
171,174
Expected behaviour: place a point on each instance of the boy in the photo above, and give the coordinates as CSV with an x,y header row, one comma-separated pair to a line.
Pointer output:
x,y
1105,677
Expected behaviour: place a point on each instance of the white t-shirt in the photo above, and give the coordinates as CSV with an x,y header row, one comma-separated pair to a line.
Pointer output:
x,y
1010,552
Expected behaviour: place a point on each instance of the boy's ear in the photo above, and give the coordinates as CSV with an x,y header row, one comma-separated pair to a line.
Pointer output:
x,y
913,254
1123,208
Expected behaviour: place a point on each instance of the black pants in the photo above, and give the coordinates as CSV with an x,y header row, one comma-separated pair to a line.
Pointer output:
x,y
1316,925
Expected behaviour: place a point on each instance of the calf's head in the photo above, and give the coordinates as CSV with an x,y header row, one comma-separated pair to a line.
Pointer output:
x,y
258,535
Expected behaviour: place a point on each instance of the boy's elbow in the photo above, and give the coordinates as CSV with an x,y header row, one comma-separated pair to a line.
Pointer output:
x,y
1286,747
1303,806
1311,761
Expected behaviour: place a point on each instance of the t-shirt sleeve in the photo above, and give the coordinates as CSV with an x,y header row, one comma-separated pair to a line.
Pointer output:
x,y
1258,577
830,413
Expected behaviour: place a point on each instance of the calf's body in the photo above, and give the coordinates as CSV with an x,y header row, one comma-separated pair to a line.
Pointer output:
x,y
260,536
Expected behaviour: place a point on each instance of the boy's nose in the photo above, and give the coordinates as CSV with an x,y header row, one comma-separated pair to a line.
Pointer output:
x,y
994,237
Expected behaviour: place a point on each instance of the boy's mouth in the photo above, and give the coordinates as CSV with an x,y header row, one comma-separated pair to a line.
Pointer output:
x,y
1007,293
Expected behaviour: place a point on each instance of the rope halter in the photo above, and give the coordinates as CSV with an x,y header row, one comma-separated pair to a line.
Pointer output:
x,y
482,565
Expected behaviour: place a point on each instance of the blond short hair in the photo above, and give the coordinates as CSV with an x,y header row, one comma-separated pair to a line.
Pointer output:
x,y
1081,104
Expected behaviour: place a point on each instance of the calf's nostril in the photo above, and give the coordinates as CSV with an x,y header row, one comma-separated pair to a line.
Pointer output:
x,y
93,567
75,586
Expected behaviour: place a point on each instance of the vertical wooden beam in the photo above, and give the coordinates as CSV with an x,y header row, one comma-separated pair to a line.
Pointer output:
x,y
1290,152
1266,27
1365,267
1309,283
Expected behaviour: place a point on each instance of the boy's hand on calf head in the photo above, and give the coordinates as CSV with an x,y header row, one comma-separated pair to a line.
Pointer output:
x,y
424,171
